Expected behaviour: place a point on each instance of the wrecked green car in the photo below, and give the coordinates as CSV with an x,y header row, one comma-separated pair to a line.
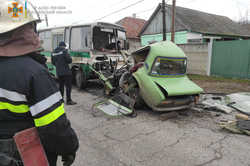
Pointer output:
x,y
160,74
154,75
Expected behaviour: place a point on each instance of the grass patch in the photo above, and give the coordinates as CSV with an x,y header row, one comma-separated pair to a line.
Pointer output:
x,y
217,79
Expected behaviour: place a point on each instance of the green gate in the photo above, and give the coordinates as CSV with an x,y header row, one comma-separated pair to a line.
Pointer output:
x,y
231,58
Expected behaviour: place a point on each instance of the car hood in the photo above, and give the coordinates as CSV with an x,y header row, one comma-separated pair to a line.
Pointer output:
x,y
178,86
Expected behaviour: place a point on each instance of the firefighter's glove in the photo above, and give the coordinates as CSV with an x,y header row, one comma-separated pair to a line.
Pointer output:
x,y
68,159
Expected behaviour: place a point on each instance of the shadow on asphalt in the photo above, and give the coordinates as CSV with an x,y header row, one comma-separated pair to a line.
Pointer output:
x,y
96,88
93,87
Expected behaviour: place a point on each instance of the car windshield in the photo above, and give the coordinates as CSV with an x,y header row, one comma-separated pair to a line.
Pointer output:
x,y
169,66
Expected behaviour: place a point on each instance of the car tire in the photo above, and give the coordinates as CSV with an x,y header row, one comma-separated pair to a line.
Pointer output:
x,y
81,79
139,102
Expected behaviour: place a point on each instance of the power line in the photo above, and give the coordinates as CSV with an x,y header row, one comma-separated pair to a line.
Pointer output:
x,y
190,1
112,5
145,10
118,3
117,11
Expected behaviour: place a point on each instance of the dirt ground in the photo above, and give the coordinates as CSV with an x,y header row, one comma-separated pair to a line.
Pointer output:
x,y
221,85
190,139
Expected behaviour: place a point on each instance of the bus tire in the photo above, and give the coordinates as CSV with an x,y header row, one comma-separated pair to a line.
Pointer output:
x,y
73,76
81,80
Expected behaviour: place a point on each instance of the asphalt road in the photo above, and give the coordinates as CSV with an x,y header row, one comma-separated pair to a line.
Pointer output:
x,y
191,139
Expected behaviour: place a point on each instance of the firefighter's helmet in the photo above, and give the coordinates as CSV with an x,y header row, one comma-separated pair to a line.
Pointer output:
x,y
14,14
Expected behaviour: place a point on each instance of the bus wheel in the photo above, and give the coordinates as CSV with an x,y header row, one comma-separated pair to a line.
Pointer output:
x,y
73,76
81,80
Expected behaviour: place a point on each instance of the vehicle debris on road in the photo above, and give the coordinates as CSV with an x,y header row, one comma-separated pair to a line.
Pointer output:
x,y
155,76
213,102
118,105
240,102
225,103
237,126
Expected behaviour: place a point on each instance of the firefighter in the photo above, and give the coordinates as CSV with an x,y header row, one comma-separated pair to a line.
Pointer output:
x,y
29,97
61,59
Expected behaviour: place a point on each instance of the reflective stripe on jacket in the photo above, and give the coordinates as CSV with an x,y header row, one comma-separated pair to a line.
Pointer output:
x,y
29,97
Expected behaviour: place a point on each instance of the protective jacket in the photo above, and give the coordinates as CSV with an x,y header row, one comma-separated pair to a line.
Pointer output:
x,y
61,59
29,97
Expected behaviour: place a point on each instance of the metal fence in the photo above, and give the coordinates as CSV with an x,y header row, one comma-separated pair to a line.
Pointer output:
x,y
231,59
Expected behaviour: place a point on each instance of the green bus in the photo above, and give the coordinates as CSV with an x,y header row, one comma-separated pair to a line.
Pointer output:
x,y
95,48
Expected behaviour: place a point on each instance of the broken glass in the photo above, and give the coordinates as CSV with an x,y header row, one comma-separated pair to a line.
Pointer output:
x,y
240,101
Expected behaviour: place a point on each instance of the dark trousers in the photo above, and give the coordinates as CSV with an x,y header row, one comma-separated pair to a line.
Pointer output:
x,y
9,155
52,159
65,81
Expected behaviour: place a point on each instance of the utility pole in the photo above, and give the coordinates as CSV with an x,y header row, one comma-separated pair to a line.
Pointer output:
x,y
46,20
163,20
173,21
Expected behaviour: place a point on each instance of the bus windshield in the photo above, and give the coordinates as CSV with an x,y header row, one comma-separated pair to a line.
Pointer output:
x,y
106,39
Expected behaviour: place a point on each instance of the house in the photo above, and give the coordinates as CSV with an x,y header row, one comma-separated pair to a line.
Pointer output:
x,y
133,27
247,26
191,26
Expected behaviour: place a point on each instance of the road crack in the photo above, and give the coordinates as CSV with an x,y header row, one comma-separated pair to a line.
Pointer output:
x,y
218,155
153,155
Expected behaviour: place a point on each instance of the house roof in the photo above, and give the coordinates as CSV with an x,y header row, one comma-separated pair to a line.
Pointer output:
x,y
198,21
247,26
132,26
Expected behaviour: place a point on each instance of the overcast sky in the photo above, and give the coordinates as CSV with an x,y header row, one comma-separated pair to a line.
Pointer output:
x,y
84,11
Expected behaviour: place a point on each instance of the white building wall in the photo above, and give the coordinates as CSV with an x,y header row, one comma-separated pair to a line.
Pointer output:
x,y
198,59
194,37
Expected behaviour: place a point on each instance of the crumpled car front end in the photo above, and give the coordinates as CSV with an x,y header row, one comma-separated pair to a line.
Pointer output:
x,y
167,94
183,97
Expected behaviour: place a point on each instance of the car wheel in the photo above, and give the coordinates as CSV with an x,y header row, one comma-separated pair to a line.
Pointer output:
x,y
139,102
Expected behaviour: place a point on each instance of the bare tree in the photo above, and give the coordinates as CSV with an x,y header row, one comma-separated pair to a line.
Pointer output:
x,y
244,19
